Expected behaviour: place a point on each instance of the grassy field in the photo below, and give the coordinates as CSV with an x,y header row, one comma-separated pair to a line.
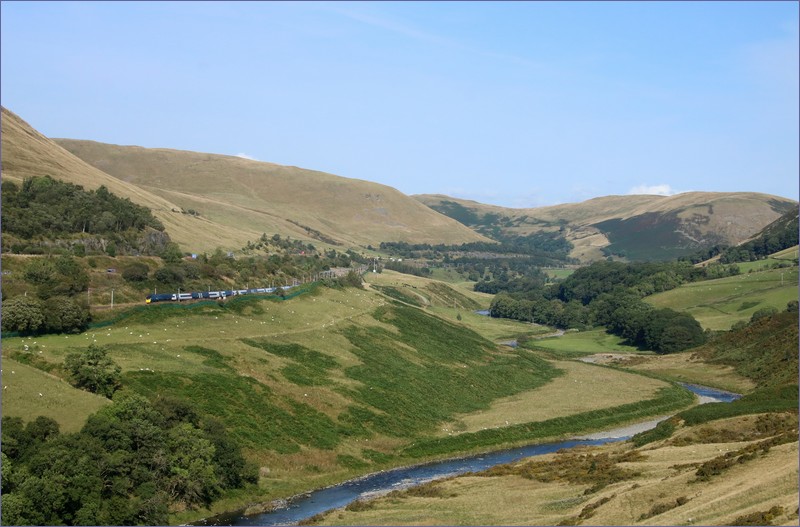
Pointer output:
x,y
580,388
577,344
787,254
718,304
29,392
558,274
686,367
765,264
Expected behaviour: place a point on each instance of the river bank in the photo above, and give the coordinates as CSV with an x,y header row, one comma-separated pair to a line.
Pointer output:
x,y
306,505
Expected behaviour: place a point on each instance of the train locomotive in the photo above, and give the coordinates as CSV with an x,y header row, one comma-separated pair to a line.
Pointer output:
x,y
198,295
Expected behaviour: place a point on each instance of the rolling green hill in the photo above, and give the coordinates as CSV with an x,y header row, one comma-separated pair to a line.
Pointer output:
x,y
637,227
719,304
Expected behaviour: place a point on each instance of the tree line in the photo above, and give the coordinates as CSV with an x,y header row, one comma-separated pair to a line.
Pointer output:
x,y
610,294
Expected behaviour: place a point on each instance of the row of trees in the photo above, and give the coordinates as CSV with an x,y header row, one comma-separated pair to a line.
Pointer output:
x,y
131,462
29,315
609,294
547,245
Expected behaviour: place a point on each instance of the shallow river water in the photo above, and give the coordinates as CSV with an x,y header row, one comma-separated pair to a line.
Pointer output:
x,y
315,502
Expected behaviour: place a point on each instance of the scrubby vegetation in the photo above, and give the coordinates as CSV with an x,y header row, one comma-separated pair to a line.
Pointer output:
x,y
780,234
45,212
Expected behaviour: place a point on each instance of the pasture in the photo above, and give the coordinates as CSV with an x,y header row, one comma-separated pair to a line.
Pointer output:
x,y
29,392
575,344
718,304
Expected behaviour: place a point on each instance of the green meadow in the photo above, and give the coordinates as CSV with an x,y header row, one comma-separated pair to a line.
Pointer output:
x,y
331,383
575,344
719,304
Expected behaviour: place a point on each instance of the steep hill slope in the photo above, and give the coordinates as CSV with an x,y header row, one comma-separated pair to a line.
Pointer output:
x,y
266,197
27,153
779,235
637,227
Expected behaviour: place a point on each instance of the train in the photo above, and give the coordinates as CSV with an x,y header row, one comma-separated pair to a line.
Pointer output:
x,y
198,295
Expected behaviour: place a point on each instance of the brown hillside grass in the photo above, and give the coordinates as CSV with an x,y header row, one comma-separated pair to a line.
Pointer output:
x,y
27,153
654,485
266,197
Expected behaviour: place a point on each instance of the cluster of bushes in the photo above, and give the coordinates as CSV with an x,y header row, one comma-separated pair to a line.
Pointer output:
x,y
401,267
44,210
539,249
131,463
220,270
52,305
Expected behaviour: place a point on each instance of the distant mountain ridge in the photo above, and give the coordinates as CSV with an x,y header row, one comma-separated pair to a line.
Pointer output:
x,y
207,201
636,227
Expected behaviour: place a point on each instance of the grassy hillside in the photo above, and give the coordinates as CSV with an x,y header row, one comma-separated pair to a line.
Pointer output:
x,y
715,464
635,227
719,304
27,153
335,383
265,197
30,392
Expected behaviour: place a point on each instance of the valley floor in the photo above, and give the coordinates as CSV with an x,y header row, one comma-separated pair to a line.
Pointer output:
x,y
658,486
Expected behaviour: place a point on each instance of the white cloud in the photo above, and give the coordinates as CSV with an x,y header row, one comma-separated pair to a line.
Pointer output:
x,y
658,190
245,156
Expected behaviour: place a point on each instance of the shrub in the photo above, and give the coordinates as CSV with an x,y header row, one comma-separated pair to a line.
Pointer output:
x,y
763,313
135,272
64,315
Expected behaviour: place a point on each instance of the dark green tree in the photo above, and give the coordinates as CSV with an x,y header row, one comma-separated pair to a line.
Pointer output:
x,y
64,315
24,314
93,370
135,272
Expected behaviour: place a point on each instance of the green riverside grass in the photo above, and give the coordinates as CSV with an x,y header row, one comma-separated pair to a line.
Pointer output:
x,y
669,399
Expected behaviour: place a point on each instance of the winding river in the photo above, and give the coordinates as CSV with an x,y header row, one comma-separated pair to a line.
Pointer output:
x,y
306,505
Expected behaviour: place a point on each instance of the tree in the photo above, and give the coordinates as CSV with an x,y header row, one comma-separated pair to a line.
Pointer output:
x,y
40,271
93,370
192,477
64,315
42,428
171,253
24,314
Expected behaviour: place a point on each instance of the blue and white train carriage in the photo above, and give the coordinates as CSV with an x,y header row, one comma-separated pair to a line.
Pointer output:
x,y
179,297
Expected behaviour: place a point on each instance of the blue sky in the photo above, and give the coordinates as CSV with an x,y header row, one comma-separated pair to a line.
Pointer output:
x,y
520,104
